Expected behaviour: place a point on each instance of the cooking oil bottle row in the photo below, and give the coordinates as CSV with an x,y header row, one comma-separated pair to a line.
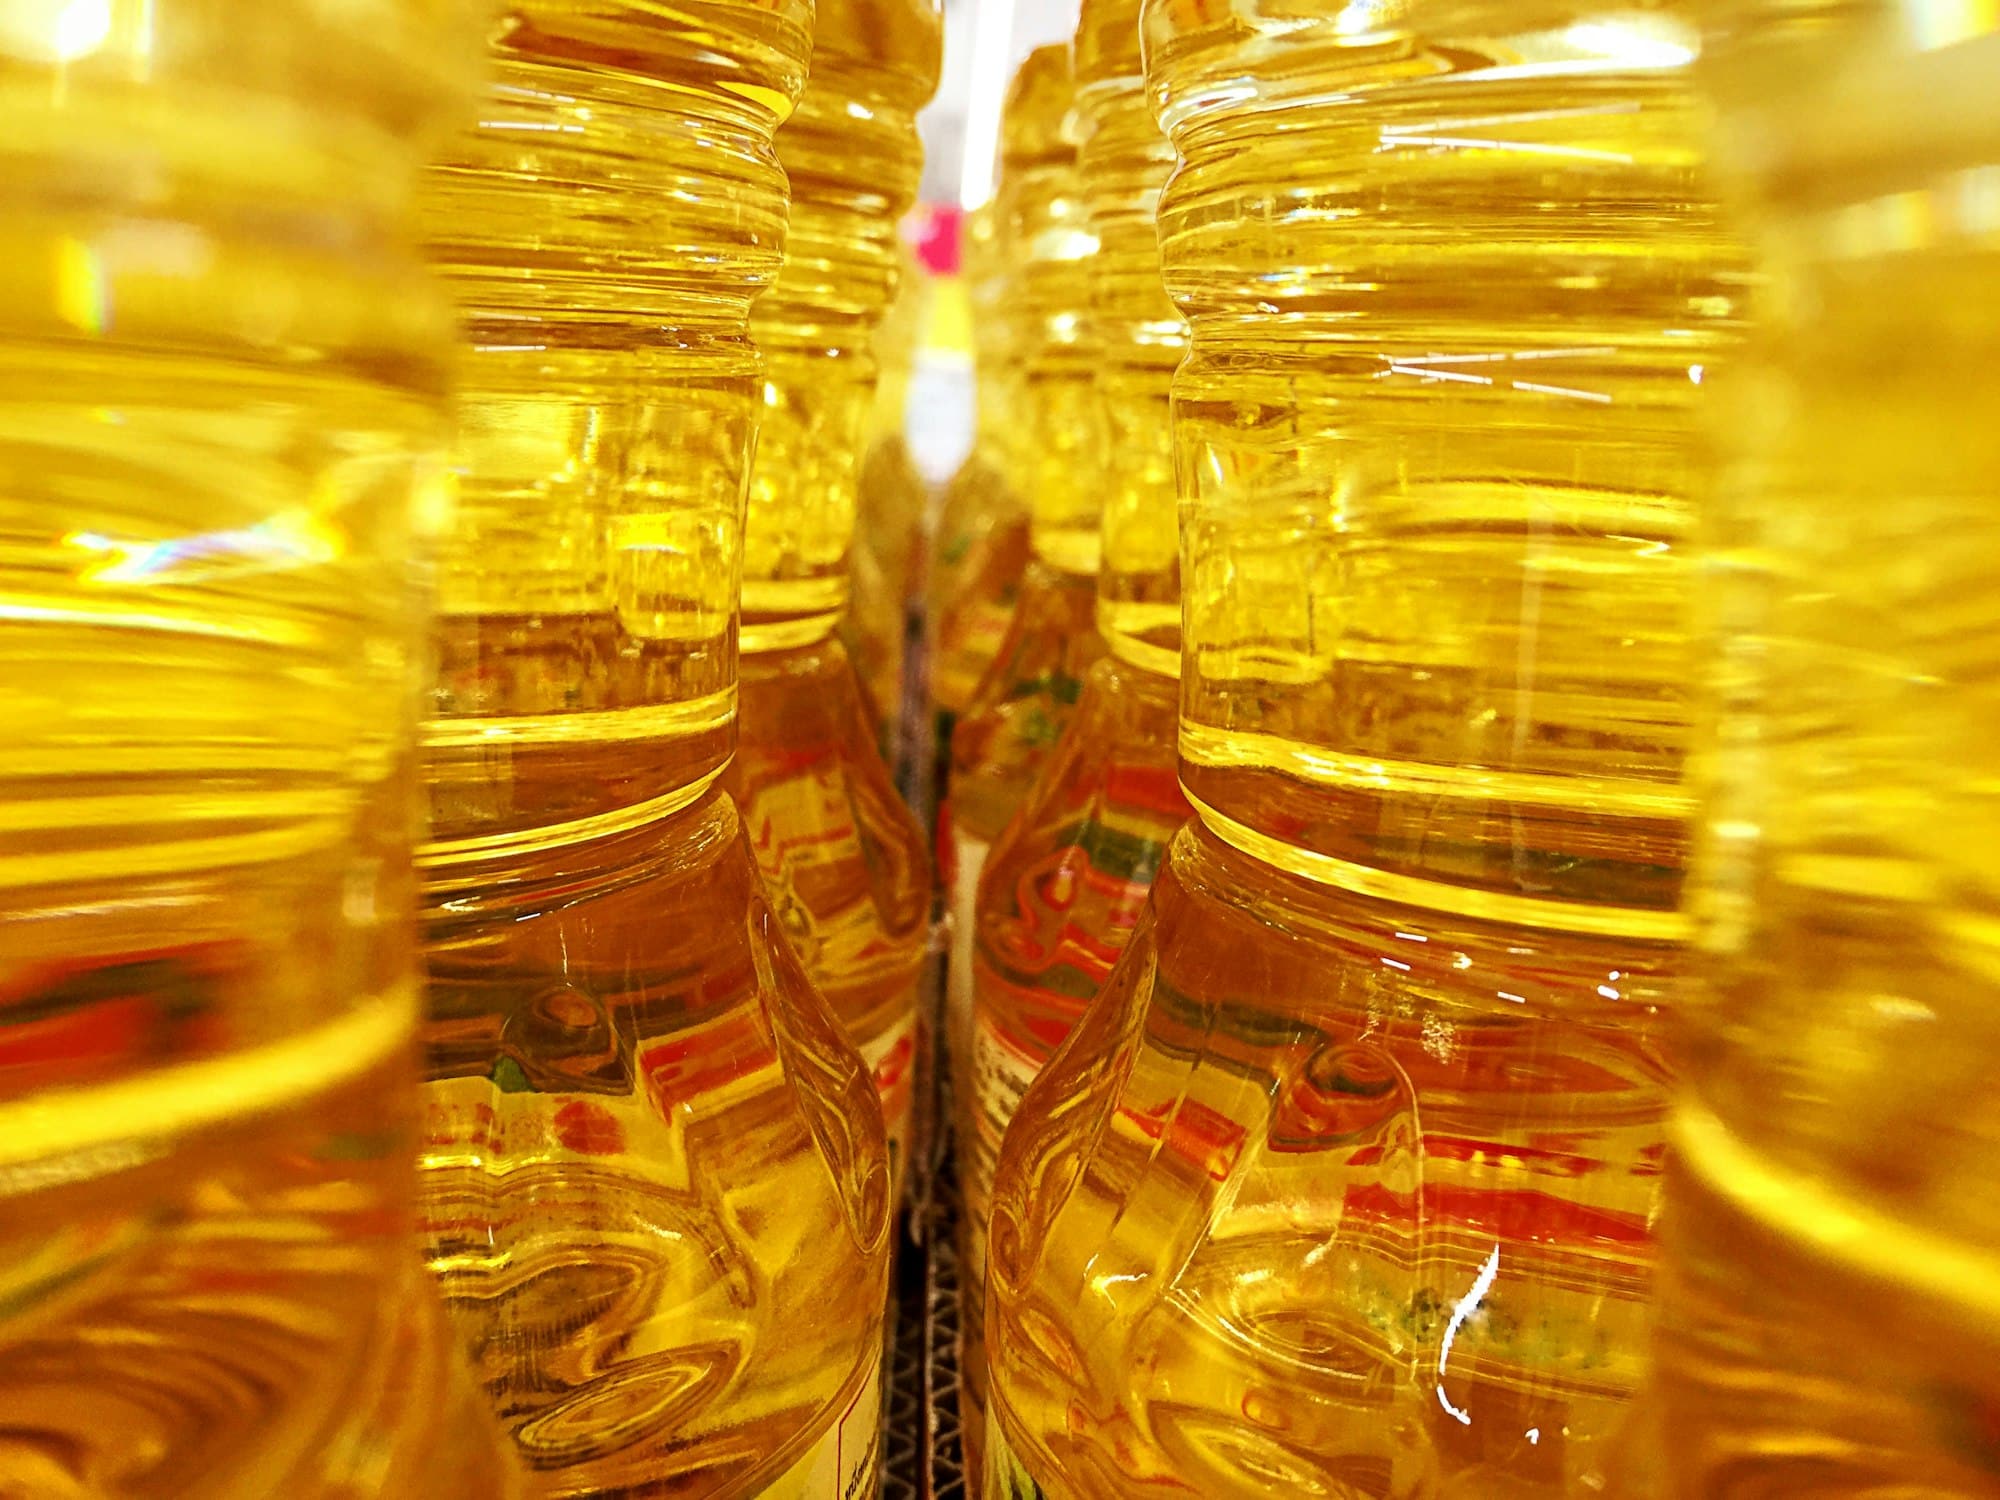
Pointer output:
x,y
652,1177
844,861
656,1190
1058,893
222,445
1468,637
1551,1059
1017,708
1346,1180
1828,1308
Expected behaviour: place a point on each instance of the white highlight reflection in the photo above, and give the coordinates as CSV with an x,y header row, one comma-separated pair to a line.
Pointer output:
x,y
1467,1306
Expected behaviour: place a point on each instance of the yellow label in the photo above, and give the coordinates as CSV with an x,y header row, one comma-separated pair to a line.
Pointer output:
x,y
846,1464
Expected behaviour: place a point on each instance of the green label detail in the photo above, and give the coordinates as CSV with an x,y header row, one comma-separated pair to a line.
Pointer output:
x,y
1006,1479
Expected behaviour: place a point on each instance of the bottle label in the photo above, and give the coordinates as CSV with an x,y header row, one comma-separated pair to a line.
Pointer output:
x,y
1001,1072
891,1055
968,859
1006,1479
846,1464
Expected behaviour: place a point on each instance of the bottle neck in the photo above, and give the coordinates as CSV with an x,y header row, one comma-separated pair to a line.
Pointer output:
x,y
1437,552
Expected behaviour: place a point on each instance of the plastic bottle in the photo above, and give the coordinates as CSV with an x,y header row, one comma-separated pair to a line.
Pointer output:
x,y
1066,881
222,429
657,1192
844,860
1345,1184
1021,704
1828,1314
979,545
892,508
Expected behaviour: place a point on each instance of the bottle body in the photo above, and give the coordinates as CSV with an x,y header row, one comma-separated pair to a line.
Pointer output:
x,y
1018,709
1059,896
1349,1175
980,537
842,858
222,431
656,1192
884,610
845,860
1825,1311
1064,885
981,554
998,747
892,508
655,1187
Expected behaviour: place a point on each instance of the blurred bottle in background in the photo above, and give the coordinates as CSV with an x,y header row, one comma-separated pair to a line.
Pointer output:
x,y
1829,1319
979,541
1016,713
1346,1182
657,1191
1066,881
892,509
844,860
222,434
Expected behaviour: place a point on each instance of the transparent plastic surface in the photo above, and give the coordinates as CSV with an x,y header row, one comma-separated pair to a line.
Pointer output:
x,y
892,511
656,1190
1137,338
1061,889
1828,1318
980,541
856,903
1059,896
1345,1185
846,865
222,428
853,158
1015,714
980,537
1017,711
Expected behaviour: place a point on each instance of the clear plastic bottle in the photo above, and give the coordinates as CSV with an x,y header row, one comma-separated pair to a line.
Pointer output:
x,y
1018,710
892,511
979,543
1064,884
892,508
657,1191
223,375
1828,1314
1345,1184
844,860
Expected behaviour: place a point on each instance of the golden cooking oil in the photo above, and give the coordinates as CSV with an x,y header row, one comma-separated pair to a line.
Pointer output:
x,y
222,430
656,1190
979,545
1068,877
843,859
892,510
1017,712
1828,1320
1346,1183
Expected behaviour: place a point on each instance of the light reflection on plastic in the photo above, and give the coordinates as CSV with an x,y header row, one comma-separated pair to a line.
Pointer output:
x,y
1467,1306
83,298
279,544
1627,42
54,31
1945,23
